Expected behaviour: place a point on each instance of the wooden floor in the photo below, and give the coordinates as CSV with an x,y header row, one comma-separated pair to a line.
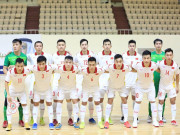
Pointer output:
x,y
117,129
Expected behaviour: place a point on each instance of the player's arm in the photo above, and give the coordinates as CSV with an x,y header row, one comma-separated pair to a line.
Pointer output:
x,y
133,70
7,80
158,70
177,83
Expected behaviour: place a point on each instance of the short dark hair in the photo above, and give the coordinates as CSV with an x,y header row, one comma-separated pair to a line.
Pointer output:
x,y
41,59
146,52
38,42
118,56
132,41
83,40
106,40
68,58
61,40
169,50
17,40
158,40
19,60
92,59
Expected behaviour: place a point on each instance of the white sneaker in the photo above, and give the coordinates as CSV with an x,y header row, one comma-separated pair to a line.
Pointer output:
x,y
155,123
163,119
134,124
149,119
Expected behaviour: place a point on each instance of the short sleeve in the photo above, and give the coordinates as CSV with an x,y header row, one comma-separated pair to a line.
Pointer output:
x,y
6,61
155,66
135,65
7,79
25,61
177,70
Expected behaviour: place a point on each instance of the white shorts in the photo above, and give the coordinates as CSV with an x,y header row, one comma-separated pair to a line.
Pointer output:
x,y
61,95
79,79
102,93
29,83
103,81
20,95
170,93
85,96
122,92
150,93
56,77
47,95
131,89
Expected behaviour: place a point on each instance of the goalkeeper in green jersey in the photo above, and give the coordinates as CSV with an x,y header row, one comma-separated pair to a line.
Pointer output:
x,y
156,56
9,63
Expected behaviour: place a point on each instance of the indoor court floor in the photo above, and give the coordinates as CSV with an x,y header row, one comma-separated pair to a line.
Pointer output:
x,y
117,129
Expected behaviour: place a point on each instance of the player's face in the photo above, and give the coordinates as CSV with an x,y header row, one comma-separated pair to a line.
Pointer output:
x,y
146,59
118,62
107,46
38,47
42,65
61,46
92,66
158,45
132,47
16,47
169,56
84,46
19,67
68,64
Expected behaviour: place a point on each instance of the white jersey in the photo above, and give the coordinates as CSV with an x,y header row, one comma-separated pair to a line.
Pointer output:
x,y
91,81
59,59
145,75
32,58
117,77
167,74
105,60
131,77
67,80
17,81
43,78
81,59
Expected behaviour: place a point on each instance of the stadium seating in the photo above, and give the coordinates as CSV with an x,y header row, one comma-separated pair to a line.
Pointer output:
x,y
153,16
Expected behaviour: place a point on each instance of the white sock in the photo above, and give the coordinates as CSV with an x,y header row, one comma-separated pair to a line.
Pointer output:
x,y
102,106
136,111
91,109
160,108
75,112
111,109
54,109
125,111
31,109
42,108
133,103
59,112
69,108
83,112
35,113
99,112
50,113
25,113
9,116
108,111
154,111
173,111
122,109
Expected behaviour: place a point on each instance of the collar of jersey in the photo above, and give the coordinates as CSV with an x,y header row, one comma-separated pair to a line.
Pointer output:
x,y
122,67
63,54
94,71
104,53
165,63
64,68
44,69
135,53
15,71
144,65
82,53
42,53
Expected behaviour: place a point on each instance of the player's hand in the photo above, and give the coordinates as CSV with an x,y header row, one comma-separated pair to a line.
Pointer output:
x,y
10,67
9,99
177,90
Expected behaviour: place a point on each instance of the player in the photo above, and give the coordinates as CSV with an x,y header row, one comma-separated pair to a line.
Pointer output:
x,y
15,87
117,72
157,55
105,58
90,86
32,59
58,58
145,70
9,63
67,90
131,57
169,72
81,59
42,89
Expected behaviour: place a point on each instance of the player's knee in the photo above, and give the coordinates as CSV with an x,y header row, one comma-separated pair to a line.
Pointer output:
x,y
24,104
138,102
32,101
68,100
133,97
55,100
90,99
173,101
84,103
124,100
161,102
36,103
41,101
152,101
96,102
101,100
110,101
48,103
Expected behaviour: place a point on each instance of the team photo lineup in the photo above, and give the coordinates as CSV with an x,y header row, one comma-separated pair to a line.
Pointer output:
x,y
40,79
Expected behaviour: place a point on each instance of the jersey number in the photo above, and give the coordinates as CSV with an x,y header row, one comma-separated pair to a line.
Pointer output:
x,y
85,62
146,75
68,77
42,75
117,75
91,79
20,80
167,72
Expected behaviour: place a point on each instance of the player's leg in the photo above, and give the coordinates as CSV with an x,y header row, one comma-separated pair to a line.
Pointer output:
x,y
91,110
31,111
110,95
133,94
69,109
152,100
54,110
42,109
21,122
5,123
102,93
85,96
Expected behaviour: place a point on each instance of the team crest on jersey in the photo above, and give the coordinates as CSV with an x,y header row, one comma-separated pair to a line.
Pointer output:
x,y
89,56
136,58
73,71
97,74
112,58
24,74
47,71
152,69
123,70
163,58
172,67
